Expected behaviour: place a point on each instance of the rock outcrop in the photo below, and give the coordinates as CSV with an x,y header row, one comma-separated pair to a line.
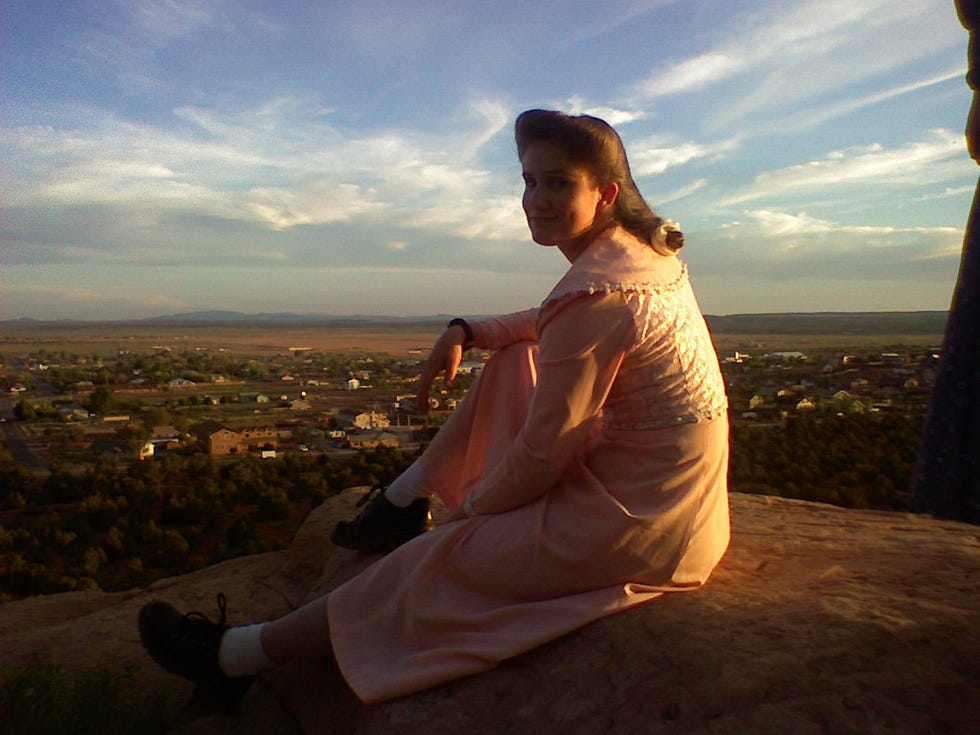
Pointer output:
x,y
818,620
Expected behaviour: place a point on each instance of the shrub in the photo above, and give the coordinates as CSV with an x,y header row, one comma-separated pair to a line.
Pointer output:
x,y
42,698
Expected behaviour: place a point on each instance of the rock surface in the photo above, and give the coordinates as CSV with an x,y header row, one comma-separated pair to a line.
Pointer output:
x,y
818,620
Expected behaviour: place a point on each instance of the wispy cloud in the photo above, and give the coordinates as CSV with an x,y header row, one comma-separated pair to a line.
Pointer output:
x,y
682,192
820,114
794,58
655,154
932,160
280,164
577,105
693,75
170,19
783,245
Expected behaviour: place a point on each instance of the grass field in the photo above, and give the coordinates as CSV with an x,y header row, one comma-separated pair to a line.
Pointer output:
x,y
846,343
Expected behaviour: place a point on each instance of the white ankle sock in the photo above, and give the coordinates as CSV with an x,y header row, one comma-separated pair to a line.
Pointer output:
x,y
240,652
408,487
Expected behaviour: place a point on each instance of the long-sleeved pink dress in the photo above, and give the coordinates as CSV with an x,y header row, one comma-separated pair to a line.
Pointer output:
x,y
590,458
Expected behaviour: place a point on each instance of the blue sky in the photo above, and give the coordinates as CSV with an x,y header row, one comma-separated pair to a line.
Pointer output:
x,y
356,157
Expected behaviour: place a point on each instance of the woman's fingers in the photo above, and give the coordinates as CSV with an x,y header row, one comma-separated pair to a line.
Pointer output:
x,y
445,357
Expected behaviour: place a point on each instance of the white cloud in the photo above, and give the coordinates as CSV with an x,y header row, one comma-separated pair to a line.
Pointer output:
x,y
817,115
692,75
658,153
482,218
793,58
280,164
170,19
681,193
936,159
283,209
576,105
781,245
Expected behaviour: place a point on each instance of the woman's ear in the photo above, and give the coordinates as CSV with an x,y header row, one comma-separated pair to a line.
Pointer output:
x,y
607,196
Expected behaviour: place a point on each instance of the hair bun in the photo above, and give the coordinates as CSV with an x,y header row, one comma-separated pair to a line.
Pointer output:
x,y
668,239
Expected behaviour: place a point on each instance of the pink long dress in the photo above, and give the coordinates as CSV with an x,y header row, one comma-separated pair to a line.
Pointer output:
x,y
590,458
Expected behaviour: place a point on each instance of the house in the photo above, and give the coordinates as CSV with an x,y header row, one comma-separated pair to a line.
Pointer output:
x,y
163,437
223,440
371,420
260,436
73,412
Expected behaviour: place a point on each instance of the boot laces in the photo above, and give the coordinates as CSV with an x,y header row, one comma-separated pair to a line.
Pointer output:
x,y
367,496
198,620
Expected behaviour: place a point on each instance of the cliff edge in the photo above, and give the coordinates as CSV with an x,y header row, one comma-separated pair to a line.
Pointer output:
x,y
818,620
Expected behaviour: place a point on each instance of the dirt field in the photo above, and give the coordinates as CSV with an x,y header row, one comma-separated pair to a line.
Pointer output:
x,y
248,339
398,339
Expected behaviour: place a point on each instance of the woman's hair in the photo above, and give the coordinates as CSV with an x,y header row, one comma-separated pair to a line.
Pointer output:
x,y
593,144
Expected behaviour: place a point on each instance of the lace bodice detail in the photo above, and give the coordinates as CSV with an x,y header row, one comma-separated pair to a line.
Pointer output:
x,y
671,375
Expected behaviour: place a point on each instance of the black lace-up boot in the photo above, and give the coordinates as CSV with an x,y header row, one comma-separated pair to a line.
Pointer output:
x,y
382,526
187,645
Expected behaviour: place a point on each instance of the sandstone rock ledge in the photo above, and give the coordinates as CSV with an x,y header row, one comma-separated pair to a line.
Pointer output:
x,y
819,620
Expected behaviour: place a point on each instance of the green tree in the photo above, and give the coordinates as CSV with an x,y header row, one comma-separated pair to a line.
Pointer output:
x,y
101,401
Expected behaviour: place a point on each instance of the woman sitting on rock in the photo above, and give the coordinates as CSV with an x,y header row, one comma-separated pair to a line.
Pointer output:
x,y
586,467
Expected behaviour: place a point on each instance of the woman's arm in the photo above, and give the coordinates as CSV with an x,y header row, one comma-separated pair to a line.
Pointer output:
x,y
500,331
488,334
579,355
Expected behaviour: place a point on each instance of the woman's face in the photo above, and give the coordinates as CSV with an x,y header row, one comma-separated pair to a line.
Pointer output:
x,y
561,200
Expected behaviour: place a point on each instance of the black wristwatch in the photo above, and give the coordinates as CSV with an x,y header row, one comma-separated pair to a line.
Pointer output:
x,y
467,330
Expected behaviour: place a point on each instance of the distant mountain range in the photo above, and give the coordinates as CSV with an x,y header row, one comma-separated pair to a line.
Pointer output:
x,y
829,322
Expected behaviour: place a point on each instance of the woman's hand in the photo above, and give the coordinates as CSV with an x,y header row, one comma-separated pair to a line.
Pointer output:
x,y
446,355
